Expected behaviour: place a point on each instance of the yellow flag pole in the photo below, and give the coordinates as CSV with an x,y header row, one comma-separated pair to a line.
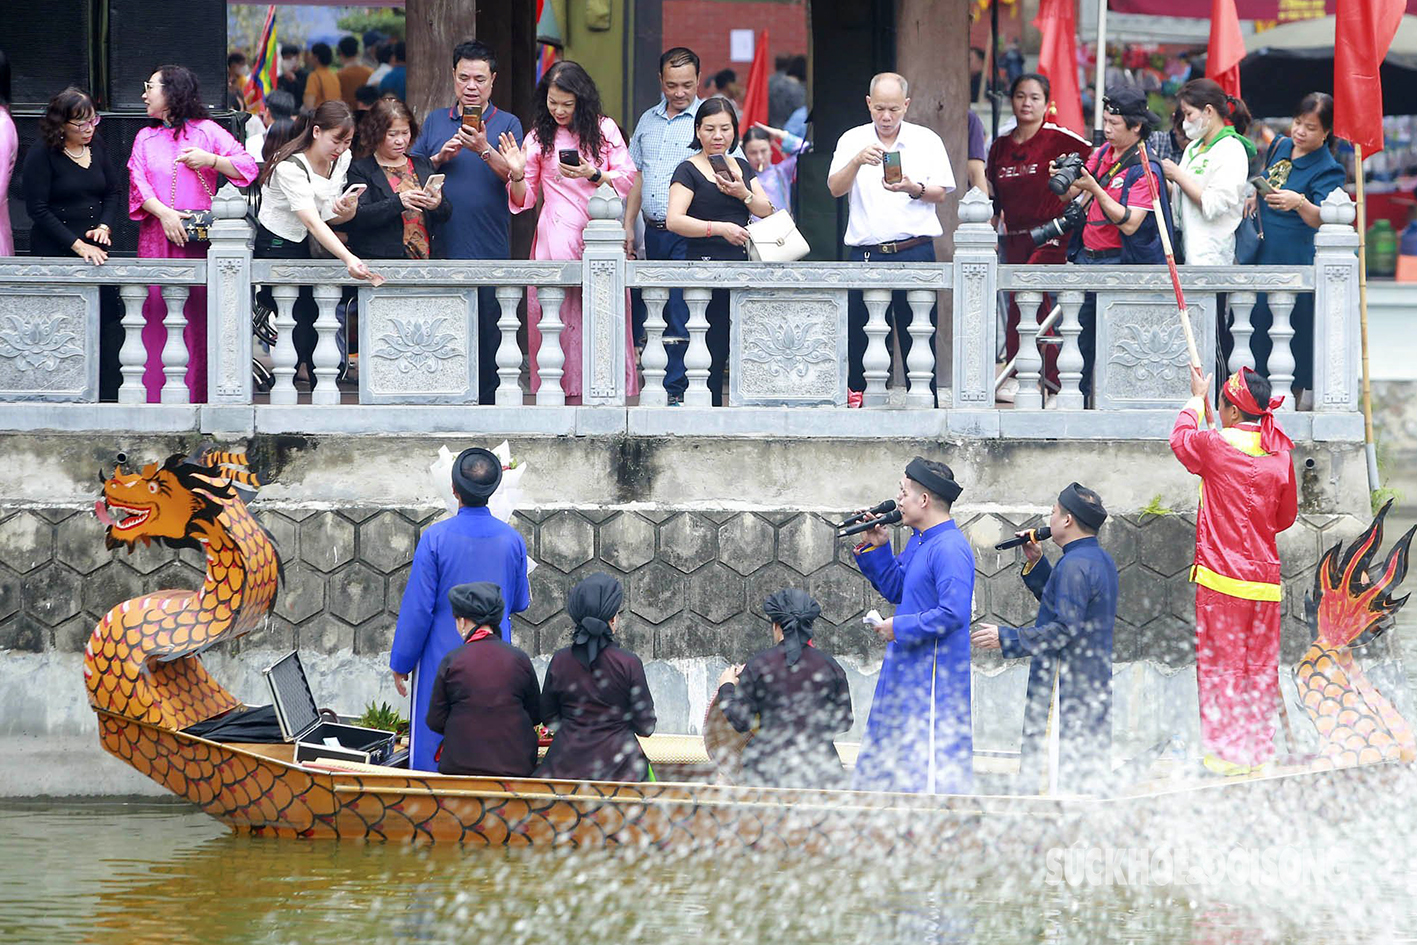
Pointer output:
x,y
1369,444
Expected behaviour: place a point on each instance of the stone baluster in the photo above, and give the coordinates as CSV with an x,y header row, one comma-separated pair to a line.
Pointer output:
x,y
1030,361
133,356
655,359
1241,305
876,361
603,300
174,351
283,356
976,279
550,359
697,360
1281,359
229,301
1337,355
1070,393
920,366
509,353
326,354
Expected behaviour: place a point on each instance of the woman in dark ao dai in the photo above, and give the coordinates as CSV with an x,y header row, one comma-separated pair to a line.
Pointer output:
x,y
798,696
598,691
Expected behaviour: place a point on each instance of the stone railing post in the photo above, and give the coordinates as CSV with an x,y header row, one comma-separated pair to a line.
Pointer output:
x,y
1336,330
229,301
976,280
603,300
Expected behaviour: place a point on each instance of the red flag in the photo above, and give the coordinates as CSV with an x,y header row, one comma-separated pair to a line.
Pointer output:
x,y
1227,47
1363,33
1058,60
755,99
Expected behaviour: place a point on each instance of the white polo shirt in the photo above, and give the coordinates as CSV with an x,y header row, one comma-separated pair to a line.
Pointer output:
x,y
882,216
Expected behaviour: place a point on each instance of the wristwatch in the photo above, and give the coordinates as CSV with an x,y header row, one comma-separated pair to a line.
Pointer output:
x,y
748,200
595,178
486,155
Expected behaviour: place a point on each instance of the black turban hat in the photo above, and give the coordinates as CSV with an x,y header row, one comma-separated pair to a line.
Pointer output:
x,y
940,480
481,602
793,611
593,603
477,473
1084,505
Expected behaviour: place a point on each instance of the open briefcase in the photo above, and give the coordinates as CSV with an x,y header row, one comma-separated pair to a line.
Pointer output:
x,y
316,739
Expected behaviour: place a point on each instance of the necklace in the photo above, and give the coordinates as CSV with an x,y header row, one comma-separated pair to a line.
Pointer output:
x,y
82,149
396,165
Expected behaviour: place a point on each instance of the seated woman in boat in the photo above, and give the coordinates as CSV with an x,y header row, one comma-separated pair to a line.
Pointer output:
x,y
796,695
598,691
485,701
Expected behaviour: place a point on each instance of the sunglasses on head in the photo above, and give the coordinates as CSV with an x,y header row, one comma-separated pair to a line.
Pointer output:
x,y
1111,107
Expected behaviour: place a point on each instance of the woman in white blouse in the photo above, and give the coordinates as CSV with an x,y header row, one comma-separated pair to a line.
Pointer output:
x,y
302,193
1213,172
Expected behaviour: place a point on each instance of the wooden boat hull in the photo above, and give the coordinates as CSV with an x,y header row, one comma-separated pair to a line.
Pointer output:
x,y
253,789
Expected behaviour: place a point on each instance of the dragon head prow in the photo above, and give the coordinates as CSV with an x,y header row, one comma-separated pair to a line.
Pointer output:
x,y
176,503
1353,603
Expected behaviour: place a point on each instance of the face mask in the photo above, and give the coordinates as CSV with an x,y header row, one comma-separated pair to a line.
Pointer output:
x,y
287,65
1195,130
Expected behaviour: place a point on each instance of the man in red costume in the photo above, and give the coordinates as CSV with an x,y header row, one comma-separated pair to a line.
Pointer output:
x,y
1248,496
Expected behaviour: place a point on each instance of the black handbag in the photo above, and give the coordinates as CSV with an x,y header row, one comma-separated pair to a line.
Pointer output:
x,y
197,223
1249,235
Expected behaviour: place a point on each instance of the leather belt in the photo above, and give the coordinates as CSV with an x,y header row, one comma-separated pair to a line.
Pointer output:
x,y
654,224
1101,253
896,246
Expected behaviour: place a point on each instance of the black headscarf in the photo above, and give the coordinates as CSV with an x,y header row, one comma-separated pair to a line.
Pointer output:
x,y
476,473
592,605
481,602
793,611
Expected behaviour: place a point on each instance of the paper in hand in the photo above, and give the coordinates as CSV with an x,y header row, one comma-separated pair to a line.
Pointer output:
x,y
873,619
376,280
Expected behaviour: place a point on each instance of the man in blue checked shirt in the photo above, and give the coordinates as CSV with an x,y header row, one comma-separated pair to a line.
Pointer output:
x,y
660,143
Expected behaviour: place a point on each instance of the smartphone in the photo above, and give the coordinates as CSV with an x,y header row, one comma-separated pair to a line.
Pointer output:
x,y
719,163
569,156
472,117
434,185
1262,185
890,165
354,190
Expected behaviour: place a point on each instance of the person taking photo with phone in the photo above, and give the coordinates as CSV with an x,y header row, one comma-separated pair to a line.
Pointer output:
x,y
459,142
893,203
302,192
712,196
571,150
396,210
1301,170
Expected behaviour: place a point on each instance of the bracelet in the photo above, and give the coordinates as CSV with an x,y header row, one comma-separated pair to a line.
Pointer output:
x,y
708,230
516,180
921,195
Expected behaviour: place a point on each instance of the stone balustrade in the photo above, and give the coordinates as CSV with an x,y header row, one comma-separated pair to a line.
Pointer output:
x,y
417,341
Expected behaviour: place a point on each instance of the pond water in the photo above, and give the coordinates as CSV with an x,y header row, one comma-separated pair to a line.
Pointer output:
x,y
164,872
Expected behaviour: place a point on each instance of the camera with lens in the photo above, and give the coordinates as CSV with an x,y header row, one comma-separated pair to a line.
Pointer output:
x,y
1060,225
1066,170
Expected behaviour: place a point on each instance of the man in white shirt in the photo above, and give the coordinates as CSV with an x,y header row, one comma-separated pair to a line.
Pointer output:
x,y
893,222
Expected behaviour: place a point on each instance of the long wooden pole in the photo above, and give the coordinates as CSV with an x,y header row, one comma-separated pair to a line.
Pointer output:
x,y
1369,444
1170,254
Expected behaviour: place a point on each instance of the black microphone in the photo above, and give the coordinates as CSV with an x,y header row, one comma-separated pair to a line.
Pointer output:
x,y
1033,534
890,518
886,506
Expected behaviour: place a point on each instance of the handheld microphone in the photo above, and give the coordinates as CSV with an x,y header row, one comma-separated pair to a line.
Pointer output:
x,y
889,518
886,506
1033,534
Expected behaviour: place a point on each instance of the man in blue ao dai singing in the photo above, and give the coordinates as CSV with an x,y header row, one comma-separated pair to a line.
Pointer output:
x,y
918,735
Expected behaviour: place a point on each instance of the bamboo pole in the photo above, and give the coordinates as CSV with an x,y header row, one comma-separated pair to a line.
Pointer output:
x,y
1369,444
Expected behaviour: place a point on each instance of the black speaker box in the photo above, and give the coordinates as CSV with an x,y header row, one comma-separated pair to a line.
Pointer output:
x,y
48,44
143,35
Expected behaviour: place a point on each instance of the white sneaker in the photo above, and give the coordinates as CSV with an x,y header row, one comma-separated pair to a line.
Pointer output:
x,y
1050,402
1007,391
1306,400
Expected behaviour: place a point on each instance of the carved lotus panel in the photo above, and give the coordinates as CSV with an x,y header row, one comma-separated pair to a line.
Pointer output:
x,y
790,347
48,343
418,348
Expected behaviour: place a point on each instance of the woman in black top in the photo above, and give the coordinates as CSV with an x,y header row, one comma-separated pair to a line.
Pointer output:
x,y
796,694
392,221
73,196
711,210
599,693
71,191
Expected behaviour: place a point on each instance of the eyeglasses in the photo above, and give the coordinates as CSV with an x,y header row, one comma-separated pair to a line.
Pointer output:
x,y
84,125
149,86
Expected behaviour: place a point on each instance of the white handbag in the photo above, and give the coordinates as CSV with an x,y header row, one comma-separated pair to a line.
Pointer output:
x,y
775,238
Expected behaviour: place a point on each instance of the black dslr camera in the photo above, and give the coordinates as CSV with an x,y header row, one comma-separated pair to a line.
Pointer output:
x,y
1060,225
1066,170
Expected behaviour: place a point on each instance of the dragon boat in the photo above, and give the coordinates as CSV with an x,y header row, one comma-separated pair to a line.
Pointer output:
x,y
148,688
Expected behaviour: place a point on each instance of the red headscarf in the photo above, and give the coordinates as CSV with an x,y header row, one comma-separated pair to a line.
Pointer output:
x,y
1237,391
